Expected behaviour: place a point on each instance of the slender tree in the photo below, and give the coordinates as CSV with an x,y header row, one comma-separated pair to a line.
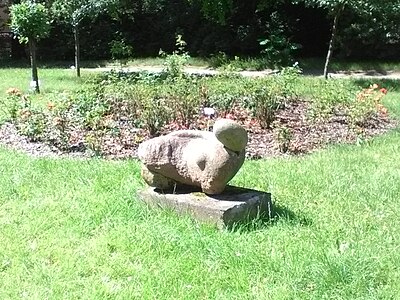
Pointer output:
x,y
335,9
73,12
30,22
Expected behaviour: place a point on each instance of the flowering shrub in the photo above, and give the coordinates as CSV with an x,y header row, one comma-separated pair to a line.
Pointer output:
x,y
32,123
128,108
13,92
367,103
337,97
12,103
29,121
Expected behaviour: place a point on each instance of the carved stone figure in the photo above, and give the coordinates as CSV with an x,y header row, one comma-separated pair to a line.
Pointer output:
x,y
208,160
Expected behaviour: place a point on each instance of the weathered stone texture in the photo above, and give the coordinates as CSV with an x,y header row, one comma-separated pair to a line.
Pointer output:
x,y
235,205
197,158
230,134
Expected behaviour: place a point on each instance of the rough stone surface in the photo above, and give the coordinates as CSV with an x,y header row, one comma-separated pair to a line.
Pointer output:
x,y
194,158
235,205
231,134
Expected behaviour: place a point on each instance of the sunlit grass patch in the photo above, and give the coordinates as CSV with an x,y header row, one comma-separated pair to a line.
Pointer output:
x,y
74,228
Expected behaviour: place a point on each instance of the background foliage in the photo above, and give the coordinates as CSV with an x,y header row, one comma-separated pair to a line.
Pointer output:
x,y
231,27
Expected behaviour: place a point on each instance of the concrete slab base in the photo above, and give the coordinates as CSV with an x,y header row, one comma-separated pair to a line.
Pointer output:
x,y
235,205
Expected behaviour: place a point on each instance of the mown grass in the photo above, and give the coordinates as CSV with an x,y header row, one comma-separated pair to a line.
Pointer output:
x,y
52,80
74,229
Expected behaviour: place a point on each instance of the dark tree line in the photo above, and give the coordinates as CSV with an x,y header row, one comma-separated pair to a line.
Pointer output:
x,y
235,28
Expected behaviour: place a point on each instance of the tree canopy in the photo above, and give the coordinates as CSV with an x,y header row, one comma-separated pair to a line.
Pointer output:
x,y
369,9
364,27
73,12
29,20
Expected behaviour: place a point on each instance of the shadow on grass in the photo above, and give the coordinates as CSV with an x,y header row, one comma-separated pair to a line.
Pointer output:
x,y
21,64
278,215
241,210
282,213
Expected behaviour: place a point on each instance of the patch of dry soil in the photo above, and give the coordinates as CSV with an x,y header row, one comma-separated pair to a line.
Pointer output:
x,y
305,136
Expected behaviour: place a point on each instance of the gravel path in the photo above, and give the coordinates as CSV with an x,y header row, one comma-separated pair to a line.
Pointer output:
x,y
190,70
372,74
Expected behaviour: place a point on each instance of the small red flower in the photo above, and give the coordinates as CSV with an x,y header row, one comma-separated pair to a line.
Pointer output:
x,y
383,110
13,92
383,91
50,106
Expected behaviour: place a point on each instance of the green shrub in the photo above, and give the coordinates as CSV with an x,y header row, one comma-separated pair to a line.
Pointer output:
x,y
13,103
218,60
120,50
91,105
264,102
277,48
174,63
288,78
153,110
328,97
224,92
93,141
183,100
284,137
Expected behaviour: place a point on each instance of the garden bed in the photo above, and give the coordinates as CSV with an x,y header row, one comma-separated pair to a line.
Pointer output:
x,y
112,116
306,137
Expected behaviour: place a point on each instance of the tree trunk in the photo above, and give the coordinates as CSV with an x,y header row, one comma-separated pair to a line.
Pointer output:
x,y
77,52
35,78
332,41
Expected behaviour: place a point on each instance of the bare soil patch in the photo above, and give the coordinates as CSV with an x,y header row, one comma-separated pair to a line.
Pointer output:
x,y
292,133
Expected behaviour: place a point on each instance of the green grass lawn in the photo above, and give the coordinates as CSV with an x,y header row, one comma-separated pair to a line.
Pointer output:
x,y
74,229
52,80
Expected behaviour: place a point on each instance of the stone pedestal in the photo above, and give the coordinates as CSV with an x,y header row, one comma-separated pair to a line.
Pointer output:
x,y
234,205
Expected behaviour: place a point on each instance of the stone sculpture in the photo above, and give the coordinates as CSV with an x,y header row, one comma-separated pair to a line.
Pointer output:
x,y
204,159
